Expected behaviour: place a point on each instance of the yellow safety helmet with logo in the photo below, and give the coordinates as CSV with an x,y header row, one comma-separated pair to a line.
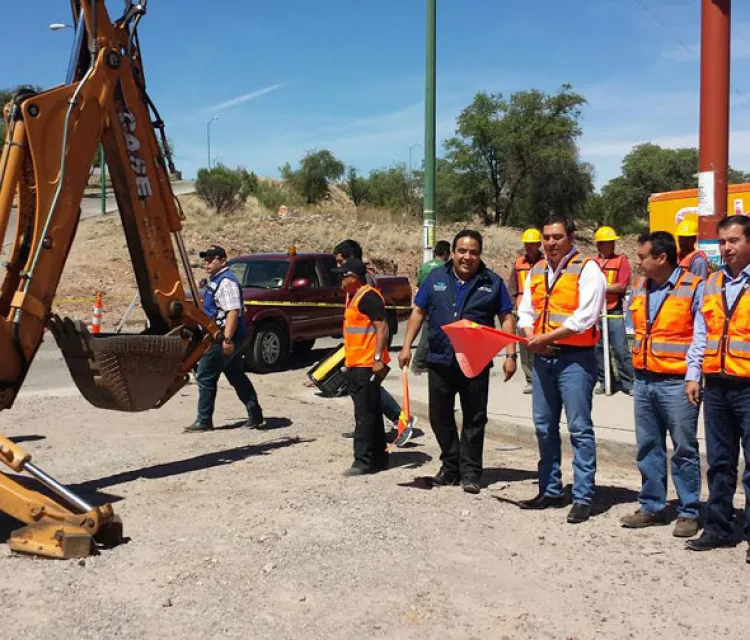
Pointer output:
x,y
605,234
687,228
531,235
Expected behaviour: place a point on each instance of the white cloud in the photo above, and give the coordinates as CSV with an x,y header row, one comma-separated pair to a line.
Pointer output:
x,y
244,98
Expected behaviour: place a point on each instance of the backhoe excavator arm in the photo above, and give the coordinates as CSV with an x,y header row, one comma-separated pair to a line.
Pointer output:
x,y
50,145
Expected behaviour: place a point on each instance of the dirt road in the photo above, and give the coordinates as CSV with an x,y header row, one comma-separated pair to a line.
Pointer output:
x,y
255,534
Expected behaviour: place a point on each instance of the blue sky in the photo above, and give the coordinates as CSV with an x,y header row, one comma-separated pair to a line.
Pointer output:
x,y
347,75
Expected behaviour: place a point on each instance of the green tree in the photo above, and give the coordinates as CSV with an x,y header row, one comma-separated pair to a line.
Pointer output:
x,y
503,141
459,195
650,169
395,188
225,189
561,184
356,187
318,169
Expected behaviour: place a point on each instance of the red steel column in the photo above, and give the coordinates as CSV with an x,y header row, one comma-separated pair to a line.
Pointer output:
x,y
714,110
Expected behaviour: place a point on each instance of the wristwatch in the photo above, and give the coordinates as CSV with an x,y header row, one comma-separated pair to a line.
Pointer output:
x,y
378,358
228,340
512,356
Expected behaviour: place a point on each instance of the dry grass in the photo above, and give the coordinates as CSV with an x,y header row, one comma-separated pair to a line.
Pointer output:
x,y
99,259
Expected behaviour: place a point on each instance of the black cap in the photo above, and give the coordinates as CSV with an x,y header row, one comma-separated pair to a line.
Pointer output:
x,y
214,251
352,266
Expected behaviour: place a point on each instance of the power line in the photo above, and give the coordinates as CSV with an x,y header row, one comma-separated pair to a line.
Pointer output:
x,y
678,41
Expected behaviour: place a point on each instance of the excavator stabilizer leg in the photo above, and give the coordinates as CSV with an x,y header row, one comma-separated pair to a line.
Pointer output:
x,y
52,540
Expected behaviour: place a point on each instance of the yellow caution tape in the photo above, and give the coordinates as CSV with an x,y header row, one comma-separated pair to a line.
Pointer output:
x,y
330,305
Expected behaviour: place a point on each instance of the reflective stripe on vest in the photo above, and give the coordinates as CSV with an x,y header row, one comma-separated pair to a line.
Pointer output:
x,y
360,335
554,306
727,331
686,261
611,269
661,343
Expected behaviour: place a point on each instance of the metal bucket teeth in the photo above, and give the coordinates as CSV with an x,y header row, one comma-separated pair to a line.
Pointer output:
x,y
120,372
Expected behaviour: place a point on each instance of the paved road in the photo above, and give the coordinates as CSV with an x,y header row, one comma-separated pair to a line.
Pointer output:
x,y
91,206
49,374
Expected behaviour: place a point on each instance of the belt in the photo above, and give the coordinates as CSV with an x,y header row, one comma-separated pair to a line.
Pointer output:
x,y
653,376
558,349
722,378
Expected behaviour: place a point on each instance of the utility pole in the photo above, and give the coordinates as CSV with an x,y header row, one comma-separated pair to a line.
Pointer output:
x,y
713,160
428,215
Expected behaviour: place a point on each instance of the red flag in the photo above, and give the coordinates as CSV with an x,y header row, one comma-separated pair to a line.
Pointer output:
x,y
476,344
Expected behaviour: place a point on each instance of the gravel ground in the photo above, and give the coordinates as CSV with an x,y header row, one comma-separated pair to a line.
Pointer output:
x,y
255,534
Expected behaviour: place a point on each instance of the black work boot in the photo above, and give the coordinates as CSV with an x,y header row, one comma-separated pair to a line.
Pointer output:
x,y
197,426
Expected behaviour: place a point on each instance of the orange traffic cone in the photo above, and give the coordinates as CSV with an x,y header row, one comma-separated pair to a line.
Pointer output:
x,y
96,323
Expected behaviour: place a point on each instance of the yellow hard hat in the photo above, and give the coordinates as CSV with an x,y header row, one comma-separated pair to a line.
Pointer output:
x,y
605,234
531,235
687,228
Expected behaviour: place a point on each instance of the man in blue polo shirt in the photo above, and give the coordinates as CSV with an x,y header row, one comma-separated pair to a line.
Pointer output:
x,y
464,288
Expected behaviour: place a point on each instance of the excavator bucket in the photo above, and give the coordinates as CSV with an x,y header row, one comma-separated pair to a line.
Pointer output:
x,y
121,372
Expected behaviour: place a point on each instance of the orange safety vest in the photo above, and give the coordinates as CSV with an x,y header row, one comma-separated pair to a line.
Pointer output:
x,y
360,338
727,331
611,269
687,259
661,344
522,267
555,305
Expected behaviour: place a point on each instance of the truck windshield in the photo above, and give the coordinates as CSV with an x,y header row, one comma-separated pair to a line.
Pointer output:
x,y
266,274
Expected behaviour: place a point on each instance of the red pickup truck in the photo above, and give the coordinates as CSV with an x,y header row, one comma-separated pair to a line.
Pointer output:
x,y
292,299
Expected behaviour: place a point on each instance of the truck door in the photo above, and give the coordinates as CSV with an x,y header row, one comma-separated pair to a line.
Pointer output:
x,y
335,315
310,315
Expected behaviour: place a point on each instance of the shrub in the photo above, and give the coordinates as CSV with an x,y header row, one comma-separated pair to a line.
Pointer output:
x,y
225,189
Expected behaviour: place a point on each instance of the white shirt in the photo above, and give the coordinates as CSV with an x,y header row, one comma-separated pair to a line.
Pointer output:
x,y
592,288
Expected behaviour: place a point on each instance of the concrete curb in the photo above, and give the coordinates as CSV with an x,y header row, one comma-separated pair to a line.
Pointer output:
x,y
512,433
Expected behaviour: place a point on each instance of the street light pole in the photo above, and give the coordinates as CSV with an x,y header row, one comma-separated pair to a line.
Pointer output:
x,y
208,138
428,215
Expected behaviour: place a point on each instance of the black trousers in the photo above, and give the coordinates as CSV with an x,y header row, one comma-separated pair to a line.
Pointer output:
x,y
461,458
369,432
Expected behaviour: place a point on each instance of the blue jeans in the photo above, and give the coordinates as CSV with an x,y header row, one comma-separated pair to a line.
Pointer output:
x,y
726,414
210,367
565,381
661,407
388,405
618,342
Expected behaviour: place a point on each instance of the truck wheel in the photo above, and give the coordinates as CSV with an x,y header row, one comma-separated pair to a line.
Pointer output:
x,y
270,348
302,347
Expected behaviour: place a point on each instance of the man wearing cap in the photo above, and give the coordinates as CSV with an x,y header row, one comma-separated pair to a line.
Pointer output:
x,y
616,269
223,303
366,348
391,409
532,243
690,258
